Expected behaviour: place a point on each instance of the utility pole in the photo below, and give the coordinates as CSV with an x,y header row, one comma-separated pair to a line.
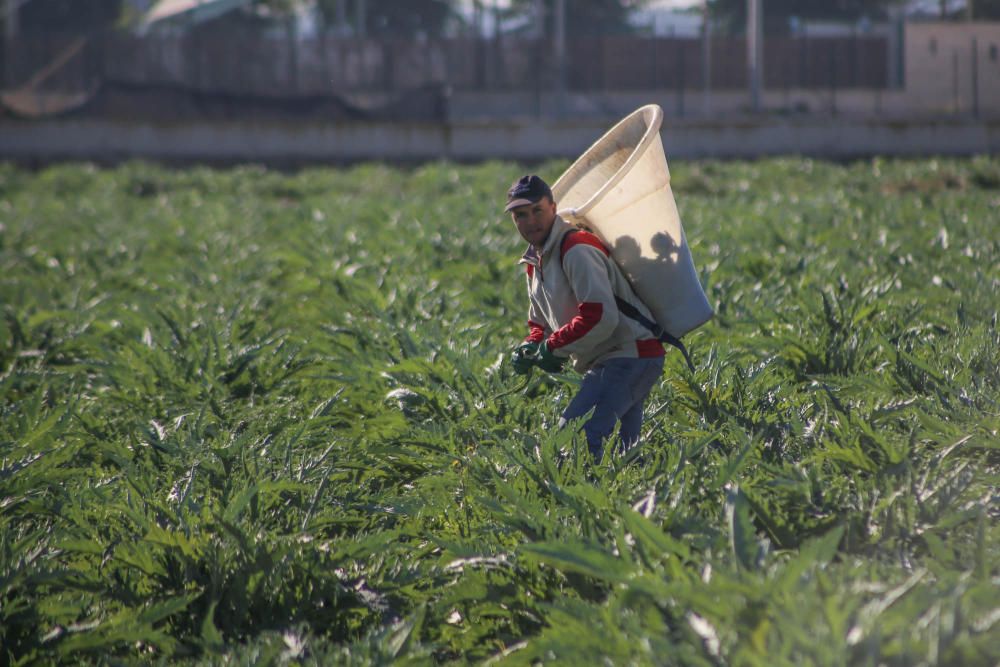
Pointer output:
x,y
537,32
706,60
894,45
560,52
498,64
755,47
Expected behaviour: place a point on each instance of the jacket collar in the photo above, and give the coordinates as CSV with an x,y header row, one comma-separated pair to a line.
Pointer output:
x,y
559,229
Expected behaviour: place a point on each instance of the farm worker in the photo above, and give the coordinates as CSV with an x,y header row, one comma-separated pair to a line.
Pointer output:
x,y
572,315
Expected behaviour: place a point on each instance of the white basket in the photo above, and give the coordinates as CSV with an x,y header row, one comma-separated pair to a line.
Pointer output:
x,y
620,190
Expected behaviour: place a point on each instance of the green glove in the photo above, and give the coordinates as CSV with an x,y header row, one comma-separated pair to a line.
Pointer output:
x,y
524,357
549,362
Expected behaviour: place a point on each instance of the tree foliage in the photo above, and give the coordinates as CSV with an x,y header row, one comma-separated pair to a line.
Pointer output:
x,y
969,9
985,9
777,13
583,17
70,15
389,18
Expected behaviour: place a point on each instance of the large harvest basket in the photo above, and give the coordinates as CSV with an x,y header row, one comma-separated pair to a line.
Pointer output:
x,y
620,190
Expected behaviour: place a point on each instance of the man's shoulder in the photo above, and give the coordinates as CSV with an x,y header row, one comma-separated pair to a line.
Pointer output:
x,y
581,237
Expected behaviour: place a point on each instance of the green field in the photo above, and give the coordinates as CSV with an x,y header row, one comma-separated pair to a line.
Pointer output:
x,y
267,417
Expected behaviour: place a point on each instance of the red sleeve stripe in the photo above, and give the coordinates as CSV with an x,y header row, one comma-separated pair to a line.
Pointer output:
x,y
589,314
582,238
536,333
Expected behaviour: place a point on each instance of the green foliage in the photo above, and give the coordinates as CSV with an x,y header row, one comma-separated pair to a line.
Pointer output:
x,y
269,418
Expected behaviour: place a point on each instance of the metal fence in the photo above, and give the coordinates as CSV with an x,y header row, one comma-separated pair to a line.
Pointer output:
x,y
263,63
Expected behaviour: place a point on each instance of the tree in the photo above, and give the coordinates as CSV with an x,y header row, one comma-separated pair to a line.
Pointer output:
x,y
777,12
732,13
583,17
393,18
69,15
983,10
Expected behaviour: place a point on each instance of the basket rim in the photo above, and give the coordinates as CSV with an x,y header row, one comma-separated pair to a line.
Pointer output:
x,y
652,132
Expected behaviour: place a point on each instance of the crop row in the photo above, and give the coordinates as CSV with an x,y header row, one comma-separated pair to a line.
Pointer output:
x,y
268,416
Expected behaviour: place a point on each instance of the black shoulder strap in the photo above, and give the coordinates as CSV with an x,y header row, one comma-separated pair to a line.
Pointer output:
x,y
630,311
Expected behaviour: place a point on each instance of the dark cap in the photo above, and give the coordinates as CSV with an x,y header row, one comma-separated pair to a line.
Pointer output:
x,y
527,190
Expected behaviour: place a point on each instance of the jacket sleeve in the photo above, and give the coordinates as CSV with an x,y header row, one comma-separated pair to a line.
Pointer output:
x,y
586,268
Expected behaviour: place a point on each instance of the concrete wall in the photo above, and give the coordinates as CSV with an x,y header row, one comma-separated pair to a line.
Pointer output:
x,y
749,137
685,104
953,67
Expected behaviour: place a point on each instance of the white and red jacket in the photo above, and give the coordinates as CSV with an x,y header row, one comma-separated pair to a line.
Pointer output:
x,y
572,301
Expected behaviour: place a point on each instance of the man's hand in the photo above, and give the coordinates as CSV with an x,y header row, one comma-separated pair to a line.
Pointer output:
x,y
547,361
524,357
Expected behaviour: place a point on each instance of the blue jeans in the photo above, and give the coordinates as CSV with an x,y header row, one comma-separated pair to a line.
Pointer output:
x,y
616,390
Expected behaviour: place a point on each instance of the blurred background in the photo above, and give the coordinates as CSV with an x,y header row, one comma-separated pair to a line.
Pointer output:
x,y
471,64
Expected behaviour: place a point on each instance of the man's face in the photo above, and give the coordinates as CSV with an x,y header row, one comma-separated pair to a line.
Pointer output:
x,y
534,221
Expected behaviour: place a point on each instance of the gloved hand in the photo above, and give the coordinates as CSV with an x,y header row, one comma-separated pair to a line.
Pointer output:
x,y
524,357
547,361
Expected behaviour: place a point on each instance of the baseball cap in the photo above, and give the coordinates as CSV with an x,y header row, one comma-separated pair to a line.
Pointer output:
x,y
527,190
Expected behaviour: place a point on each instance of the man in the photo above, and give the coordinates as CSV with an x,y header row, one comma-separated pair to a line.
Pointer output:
x,y
572,287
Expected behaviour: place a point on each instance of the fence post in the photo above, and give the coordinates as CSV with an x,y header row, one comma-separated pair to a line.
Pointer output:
x,y
495,76
654,49
291,34
388,64
479,45
956,103
680,77
803,42
191,54
539,54
855,81
833,78
94,52
975,78
894,45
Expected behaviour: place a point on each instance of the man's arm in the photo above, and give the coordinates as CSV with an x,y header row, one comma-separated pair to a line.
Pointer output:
x,y
585,266
537,331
